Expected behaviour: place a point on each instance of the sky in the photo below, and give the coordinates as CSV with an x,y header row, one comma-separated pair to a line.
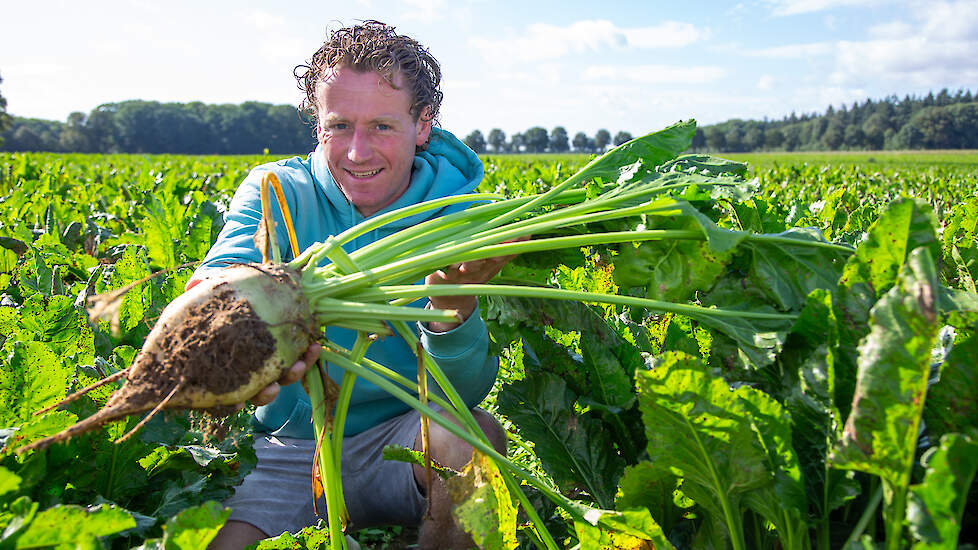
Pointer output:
x,y
636,66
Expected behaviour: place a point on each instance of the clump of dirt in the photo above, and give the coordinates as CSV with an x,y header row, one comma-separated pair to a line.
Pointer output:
x,y
214,424
206,350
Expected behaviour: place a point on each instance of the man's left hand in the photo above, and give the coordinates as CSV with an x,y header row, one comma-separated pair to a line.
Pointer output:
x,y
466,273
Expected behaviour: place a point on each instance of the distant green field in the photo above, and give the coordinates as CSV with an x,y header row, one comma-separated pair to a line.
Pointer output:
x,y
955,160
961,159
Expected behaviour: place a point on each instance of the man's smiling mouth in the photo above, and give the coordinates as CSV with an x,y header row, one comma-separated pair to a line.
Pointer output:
x,y
367,174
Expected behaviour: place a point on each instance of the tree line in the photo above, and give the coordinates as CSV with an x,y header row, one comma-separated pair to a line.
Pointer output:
x,y
935,121
537,140
153,127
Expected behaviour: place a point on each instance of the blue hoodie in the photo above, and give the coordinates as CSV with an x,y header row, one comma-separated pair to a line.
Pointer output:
x,y
319,209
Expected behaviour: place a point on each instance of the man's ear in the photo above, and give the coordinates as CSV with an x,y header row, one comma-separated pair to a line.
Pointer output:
x,y
319,130
424,128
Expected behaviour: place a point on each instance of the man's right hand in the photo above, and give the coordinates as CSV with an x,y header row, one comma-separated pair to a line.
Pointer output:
x,y
291,376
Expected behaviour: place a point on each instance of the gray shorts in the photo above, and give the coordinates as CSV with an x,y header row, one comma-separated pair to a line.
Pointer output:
x,y
277,495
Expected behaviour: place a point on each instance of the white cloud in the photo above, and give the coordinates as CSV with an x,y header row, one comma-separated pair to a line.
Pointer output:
x,y
545,41
766,82
782,8
271,37
936,43
795,51
892,29
655,74
916,59
950,20
423,10
265,21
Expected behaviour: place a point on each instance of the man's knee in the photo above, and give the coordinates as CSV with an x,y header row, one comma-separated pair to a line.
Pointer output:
x,y
492,428
453,452
235,535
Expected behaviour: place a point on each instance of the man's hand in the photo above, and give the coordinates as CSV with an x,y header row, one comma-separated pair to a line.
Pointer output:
x,y
476,272
291,376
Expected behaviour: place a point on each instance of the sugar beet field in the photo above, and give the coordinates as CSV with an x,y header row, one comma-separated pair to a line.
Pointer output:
x,y
792,363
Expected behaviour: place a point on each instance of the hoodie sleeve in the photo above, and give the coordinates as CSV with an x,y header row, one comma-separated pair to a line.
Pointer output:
x,y
463,353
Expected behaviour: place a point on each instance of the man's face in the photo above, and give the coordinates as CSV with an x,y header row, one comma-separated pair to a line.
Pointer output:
x,y
368,136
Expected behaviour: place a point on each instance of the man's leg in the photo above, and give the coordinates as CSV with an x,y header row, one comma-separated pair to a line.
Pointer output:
x,y
438,529
235,535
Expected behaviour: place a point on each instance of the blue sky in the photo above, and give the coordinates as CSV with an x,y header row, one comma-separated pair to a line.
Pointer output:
x,y
634,66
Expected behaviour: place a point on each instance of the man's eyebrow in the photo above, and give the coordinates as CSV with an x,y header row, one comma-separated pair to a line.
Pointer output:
x,y
385,118
329,117
332,118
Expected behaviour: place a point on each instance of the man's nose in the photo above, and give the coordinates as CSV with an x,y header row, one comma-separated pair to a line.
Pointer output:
x,y
360,149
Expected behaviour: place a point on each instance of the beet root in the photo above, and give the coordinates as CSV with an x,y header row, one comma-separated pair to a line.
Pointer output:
x,y
216,345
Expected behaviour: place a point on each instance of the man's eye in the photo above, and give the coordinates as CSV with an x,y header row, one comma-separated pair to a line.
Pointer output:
x,y
337,126
383,126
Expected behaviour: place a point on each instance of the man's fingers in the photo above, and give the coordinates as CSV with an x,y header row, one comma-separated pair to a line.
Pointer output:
x,y
298,370
312,354
267,394
291,376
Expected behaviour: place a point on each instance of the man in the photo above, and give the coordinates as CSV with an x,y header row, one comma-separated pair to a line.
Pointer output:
x,y
374,95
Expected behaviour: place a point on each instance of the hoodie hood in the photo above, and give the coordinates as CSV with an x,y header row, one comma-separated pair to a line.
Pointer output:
x,y
447,167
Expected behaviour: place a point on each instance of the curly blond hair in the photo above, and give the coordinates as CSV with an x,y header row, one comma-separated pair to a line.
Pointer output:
x,y
374,46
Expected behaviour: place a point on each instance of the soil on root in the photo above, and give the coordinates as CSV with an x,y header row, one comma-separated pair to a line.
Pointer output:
x,y
216,348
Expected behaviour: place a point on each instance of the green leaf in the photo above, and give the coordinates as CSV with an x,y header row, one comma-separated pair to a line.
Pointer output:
x,y
749,343
194,528
952,403
905,225
63,326
880,435
74,526
35,275
642,485
403,454
38,427
626,529
787,272
706,165
31,378
894,364
960,244
785,503
575,449
9,481
673,269
200,232
482,504
700,429
607,362
937,504
809,363
651,150
23,512
309,538
131,266
161,230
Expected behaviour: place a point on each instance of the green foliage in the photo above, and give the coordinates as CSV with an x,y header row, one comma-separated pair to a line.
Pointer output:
x,y
731,448
724,444
482,504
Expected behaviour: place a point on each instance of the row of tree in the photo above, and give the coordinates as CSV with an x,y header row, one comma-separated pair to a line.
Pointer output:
x,y
537,140
941,121
153,127
936,121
